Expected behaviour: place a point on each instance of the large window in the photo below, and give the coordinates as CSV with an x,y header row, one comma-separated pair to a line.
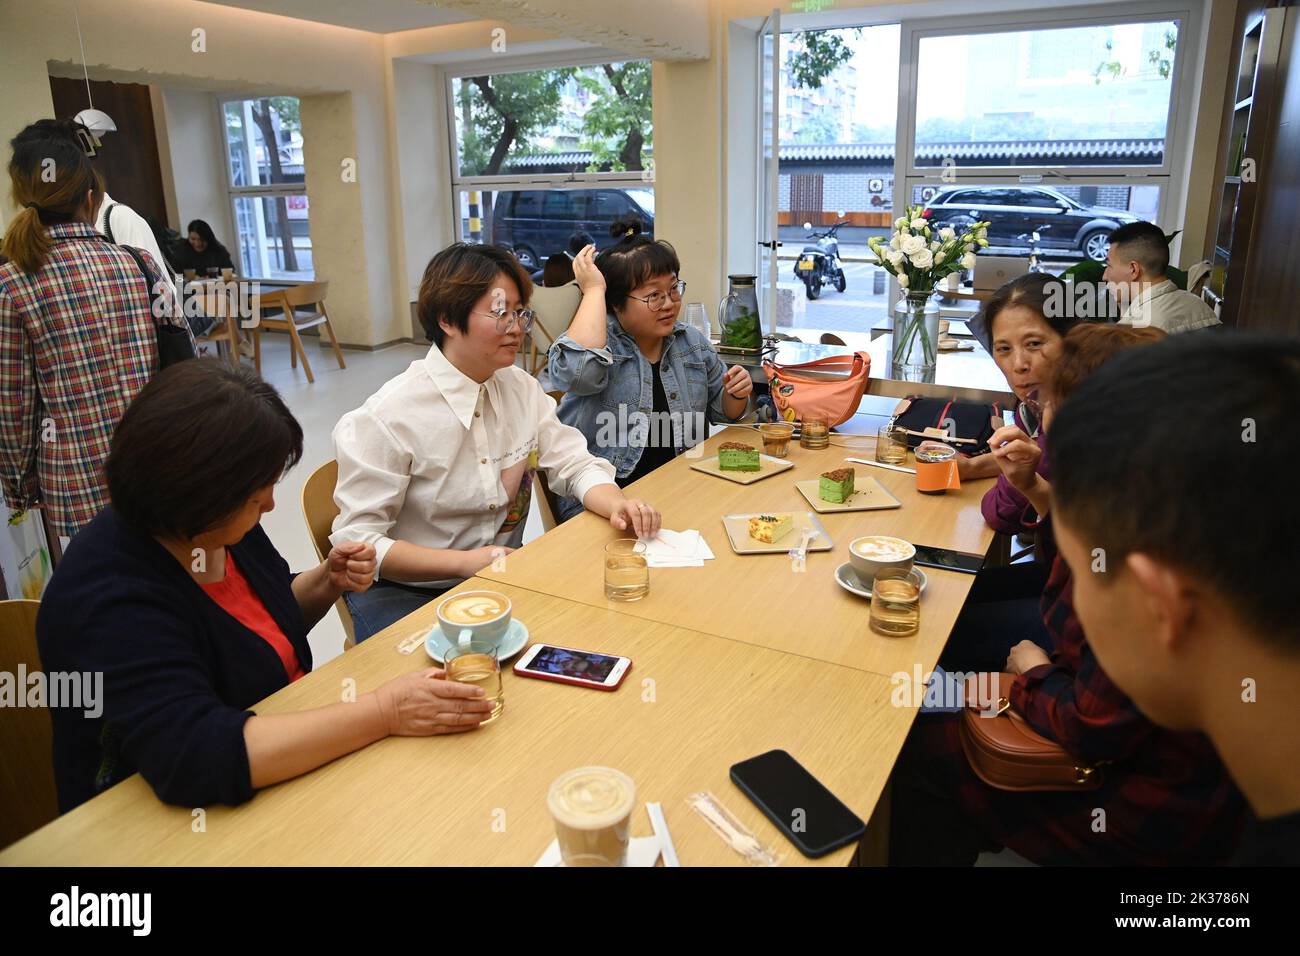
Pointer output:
x,y
1046,97
543,155
268,188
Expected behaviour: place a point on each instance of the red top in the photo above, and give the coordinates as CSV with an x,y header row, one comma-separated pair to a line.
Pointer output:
x,y
241,602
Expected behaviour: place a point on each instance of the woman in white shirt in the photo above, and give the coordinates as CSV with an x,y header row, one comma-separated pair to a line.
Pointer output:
x,y
436,468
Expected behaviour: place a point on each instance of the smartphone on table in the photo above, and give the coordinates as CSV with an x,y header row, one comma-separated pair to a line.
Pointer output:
x,y
571,666
810,816
948,560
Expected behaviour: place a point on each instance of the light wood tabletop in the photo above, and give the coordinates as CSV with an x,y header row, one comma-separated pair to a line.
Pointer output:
x,y
761,599
691,706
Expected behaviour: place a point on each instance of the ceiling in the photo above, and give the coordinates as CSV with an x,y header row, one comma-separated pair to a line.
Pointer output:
x,y
375,16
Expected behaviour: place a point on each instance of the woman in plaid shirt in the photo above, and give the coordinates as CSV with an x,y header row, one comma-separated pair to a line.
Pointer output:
x,y
1165,797
77,335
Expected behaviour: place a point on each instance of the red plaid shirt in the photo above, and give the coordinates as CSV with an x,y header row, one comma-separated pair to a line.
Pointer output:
x,y
77,342
1167,797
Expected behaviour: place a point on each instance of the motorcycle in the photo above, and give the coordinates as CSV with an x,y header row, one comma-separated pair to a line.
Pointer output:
x,y
819,264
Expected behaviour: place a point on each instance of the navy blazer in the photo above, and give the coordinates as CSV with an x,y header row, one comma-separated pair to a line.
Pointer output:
x,y
179,673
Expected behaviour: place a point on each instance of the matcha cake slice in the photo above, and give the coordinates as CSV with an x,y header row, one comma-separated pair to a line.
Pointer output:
x,y
737,456
836,486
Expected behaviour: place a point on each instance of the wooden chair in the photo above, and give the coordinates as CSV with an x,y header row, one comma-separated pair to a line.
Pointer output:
x,y
226,332
28,799
319,509
555,309
548,503
830,338
309,293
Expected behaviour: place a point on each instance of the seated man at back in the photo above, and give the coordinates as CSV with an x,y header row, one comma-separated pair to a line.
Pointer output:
x,y
1190,604
1135,272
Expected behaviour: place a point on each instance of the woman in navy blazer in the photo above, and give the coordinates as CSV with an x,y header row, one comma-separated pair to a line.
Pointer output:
x,y
176,596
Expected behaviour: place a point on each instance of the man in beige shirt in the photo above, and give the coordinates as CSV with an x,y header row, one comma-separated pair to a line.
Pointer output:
x,y
1135,272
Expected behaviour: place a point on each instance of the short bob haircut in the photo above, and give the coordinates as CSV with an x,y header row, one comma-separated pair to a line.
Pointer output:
x,y
632,260
459,276
168,478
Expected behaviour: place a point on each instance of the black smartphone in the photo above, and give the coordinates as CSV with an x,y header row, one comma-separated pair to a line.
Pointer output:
x,y
811,817
948,560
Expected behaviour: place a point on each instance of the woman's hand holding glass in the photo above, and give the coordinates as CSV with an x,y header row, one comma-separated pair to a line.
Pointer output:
x,y
425,703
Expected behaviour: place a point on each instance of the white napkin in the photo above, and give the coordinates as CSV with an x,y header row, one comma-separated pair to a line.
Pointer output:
x,y
641,851
678,549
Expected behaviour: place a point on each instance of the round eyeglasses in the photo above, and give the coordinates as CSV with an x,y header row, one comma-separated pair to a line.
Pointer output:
x,y
657,300
506,320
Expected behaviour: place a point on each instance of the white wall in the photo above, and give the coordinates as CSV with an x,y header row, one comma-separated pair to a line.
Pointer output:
x,y
194,146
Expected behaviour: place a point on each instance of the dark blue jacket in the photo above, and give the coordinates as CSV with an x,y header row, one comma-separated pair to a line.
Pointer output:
x,y
179,673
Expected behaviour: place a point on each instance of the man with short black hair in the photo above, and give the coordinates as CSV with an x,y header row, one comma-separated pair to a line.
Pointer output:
x,y
1188,601
1136,268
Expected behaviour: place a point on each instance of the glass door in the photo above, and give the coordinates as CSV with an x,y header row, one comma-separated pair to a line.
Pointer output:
x,y
769,106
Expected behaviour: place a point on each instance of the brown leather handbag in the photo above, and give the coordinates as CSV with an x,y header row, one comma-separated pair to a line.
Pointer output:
x,y
1008,754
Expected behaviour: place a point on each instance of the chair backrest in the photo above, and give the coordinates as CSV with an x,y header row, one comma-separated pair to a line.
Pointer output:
x,y
28,799
307,293
830,338
555,309
318,505
319,509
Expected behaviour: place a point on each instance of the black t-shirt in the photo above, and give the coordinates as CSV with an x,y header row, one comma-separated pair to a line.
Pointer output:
x,y
653,456
1271,842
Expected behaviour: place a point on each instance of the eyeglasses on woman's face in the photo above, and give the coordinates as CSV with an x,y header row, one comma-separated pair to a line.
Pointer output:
x,y
507,320
657,301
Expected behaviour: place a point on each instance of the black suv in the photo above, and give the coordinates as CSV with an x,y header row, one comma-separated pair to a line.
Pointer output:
x,y
537,223
1015,211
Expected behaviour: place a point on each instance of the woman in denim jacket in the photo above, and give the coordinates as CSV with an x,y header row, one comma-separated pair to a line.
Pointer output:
x,y
640,385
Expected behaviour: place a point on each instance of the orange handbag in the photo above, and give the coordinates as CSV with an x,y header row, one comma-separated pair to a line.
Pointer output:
x,y
797,397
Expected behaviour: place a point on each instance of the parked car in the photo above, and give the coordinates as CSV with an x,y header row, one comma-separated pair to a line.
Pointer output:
x,y
1014,212
537,223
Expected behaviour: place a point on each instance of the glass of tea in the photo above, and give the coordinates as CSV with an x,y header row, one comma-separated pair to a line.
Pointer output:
x,y
477,663
896,602
891,445
627,572
814,433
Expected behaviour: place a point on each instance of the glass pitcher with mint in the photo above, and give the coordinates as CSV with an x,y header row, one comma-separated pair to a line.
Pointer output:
x,y
738,315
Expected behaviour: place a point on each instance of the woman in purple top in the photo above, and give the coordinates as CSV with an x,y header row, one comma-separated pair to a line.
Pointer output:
x,y
1023,327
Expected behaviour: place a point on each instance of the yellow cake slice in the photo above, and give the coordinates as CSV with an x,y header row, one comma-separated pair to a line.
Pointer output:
x,y
770,528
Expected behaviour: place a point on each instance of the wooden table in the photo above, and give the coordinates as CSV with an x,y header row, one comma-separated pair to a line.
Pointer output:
x,y
759,599
691,706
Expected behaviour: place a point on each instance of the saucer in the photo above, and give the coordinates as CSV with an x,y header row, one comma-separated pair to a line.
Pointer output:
x,y
846,576
511,643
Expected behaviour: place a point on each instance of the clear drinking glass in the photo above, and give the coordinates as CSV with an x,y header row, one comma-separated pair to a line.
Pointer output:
x,y
627,572
891,445
814,433
896,602
697,318
477,663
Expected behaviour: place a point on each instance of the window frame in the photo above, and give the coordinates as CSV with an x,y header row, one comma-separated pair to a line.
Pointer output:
x,y
261,191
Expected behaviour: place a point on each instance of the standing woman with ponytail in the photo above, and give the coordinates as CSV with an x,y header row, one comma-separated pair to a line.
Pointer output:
x,y
77,333
639,384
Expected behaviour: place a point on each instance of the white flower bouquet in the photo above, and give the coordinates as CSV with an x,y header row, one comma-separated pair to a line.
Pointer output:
x,y
918,257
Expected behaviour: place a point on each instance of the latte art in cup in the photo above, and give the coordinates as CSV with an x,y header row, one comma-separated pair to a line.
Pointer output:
x,y
883,548
472,609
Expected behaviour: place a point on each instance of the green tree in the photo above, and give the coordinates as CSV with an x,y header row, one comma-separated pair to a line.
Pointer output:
x,y
818,128
285,108
503,111
619,114
1162,59
816,54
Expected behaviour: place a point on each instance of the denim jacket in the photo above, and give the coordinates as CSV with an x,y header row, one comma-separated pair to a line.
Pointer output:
x,y
609,393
